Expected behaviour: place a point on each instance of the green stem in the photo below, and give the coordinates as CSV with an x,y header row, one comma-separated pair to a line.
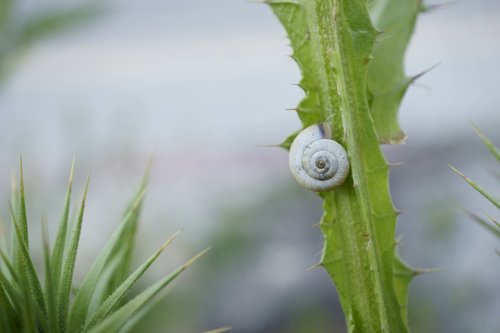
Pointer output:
x,y
332,42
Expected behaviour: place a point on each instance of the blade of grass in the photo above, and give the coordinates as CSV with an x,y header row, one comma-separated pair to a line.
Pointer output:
x,y
28,313
29,274
62,234
487,142
485,193
13,239
83,298
21,250
13,296
22,217
3,238
11,286
50,296
114,322
488,226
21,290
69,267
220,330
495,222
139,315
102,289
114,299
125,250
7,314
9,297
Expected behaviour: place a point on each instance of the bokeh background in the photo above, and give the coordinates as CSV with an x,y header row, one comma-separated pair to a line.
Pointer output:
x,y
202,86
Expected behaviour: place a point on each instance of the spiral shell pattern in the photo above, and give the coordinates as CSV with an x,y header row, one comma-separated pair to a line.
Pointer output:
x,y
317,162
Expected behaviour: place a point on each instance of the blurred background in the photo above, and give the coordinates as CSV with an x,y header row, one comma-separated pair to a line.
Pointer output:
x,y
202,85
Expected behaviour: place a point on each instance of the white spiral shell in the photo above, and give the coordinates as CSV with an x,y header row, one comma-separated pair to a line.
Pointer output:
x,y
316,161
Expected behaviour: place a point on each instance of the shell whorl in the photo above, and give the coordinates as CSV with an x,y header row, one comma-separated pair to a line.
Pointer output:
x,y
316,161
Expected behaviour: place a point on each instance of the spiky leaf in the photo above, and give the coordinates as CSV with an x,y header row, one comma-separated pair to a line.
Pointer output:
x,y
86,292
488,143
484,192
387,82
332,42
119,293
117,320
27,307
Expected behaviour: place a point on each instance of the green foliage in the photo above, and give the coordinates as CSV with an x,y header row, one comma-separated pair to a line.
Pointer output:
x,y
484,192
219,330
487,142
20,29
387,82
353,78
100,304
490,223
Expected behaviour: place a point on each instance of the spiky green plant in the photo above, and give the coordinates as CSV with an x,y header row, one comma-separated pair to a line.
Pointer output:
x,y
100,304
490,223
351,55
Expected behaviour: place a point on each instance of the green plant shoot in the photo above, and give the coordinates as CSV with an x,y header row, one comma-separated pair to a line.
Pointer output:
x,y
350,53
29,304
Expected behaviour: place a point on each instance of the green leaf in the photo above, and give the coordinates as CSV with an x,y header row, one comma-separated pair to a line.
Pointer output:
x,y
85,294
136,319
50,295
403,275
123,254
23,317
494,221
332,41
487,142
114,322
387,82
4,245
21,217
68,268
10,298
309,109
18,290
13,238
491,226
220,330
11,288
484,192
62,235
288,141
7,312
114,299
30,283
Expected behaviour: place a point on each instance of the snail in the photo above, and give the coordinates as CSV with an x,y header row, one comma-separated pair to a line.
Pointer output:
x,y
316,161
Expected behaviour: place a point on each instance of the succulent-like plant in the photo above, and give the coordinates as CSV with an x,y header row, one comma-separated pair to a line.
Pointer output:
x,y
100,303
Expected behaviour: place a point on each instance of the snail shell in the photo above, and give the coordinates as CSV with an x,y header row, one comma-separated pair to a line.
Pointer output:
x,y
316,161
